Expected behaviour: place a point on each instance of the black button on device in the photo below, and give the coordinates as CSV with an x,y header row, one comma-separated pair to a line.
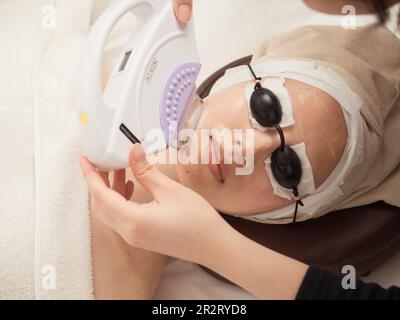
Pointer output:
x,y
128,133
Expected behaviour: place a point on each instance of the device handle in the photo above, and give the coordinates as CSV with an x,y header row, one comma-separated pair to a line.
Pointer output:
x,y
93,52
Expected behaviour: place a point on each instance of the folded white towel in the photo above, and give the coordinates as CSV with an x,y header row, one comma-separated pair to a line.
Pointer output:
x,y
45,245
44,221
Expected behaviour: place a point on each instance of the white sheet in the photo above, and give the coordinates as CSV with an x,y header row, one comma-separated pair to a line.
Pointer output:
x,y
44,220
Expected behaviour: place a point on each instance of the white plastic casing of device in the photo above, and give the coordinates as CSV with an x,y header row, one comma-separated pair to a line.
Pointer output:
x,y
132,96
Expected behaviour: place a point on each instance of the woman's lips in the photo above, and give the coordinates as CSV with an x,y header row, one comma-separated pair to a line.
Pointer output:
x,y
215,169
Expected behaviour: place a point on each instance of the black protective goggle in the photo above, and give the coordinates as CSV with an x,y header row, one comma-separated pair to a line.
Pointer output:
x,y
267,111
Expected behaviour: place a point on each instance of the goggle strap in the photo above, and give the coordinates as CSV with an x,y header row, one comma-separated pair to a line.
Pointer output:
x,y
253,73
298,202
281,135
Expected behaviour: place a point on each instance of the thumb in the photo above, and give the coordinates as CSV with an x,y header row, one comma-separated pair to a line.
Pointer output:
x,y
148,176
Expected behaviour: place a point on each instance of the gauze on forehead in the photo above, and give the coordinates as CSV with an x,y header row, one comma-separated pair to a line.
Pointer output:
x,y
276,85
306,185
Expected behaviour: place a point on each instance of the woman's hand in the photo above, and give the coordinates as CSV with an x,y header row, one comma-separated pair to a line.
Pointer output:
x,y
178,222
183,9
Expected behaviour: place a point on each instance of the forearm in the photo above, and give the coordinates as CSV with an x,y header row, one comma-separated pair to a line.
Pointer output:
x,y
120,271
263,272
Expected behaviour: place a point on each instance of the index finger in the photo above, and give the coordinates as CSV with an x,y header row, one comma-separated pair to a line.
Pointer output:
x,y
113,203
93,178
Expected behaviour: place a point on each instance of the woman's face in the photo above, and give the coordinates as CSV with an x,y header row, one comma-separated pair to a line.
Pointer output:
x,y
319,124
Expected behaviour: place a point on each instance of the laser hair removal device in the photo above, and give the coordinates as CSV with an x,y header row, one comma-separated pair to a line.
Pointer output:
x,y
149,90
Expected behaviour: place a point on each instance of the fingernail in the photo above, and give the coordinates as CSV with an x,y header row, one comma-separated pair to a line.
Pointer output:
x,y
138,154
184,12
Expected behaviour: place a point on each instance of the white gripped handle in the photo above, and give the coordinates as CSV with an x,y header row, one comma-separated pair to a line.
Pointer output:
x,y
93,52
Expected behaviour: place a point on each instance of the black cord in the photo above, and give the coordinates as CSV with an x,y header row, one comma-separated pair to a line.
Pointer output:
x,y
298,202
295,212
253,73
282,136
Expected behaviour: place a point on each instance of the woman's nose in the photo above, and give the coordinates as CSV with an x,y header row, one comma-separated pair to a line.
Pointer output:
x,y
256,145
265,143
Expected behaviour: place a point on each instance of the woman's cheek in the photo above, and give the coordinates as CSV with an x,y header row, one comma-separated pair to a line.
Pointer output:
x,y
190,176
